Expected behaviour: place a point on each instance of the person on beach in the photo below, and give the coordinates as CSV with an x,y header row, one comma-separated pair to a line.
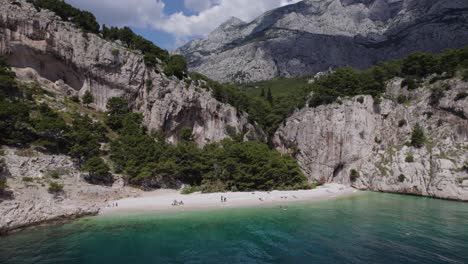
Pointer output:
x,y
222,198
181,203
225,199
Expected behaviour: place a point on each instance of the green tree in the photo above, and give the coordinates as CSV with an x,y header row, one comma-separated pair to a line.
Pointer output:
x,y
262,93
117,109
269,96
419,64
98,171
88,98
418,139
150,60
85,136
176,66
51,130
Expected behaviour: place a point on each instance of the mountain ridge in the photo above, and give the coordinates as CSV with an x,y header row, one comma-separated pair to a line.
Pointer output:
x,y
319,34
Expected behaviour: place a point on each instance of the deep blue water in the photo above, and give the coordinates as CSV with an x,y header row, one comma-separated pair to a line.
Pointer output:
x,y
367,228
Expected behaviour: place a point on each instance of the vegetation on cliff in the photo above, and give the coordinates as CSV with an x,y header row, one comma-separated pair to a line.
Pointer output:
x,y
142,158
284,96
227,165
174,64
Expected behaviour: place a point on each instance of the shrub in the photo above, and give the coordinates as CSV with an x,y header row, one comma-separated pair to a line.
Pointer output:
x,y
402,99
190,189
410,83
402,123
418,139
437,94
409,158
378,140
115,52
401,178
75,98
362,134
461,96
3,185
354,175
55,188
87,98
27,179
465,76
54,175
186,134
149,84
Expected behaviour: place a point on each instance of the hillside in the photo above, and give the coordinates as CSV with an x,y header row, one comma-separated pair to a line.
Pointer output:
x,y
315,35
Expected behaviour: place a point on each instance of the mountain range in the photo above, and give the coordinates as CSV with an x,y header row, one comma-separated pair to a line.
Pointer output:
x,y
316,35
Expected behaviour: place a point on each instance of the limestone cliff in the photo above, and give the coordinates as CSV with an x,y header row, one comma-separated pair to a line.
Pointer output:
x,y
28,202
42,47
314,35
330,141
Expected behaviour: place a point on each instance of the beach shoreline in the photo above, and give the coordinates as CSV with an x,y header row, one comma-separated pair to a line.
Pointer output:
x,y
163,200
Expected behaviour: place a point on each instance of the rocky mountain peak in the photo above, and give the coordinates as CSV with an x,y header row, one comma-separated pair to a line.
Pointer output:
x,y
230,23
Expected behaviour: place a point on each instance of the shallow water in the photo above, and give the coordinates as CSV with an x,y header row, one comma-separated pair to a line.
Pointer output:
x,y
367,228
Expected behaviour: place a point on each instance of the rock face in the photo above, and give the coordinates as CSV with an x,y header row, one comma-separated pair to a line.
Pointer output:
x,y
314,35
28,202
42,47
330,141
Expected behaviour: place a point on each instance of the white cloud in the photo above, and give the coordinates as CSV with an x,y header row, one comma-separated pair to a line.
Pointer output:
x,y
208,19
150,13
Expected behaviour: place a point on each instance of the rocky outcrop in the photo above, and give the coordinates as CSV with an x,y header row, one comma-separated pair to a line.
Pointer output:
x,y
28,201
330,141
314,35
42,47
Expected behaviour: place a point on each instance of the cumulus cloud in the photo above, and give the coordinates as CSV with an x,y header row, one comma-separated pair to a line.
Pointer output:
x,y
150,13
207,20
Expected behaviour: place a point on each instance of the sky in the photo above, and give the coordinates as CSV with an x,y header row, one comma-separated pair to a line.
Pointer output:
x,y
172,23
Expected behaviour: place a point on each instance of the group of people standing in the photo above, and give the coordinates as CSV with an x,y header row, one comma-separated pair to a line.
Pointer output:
x,y
175,203
223,199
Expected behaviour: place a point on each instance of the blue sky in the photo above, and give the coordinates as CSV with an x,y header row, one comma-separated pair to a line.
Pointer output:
x,y
172,23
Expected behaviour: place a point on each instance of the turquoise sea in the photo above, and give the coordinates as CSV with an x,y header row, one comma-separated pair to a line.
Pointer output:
x,y
366,228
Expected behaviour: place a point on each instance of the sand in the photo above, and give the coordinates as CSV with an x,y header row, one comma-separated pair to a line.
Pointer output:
x,y
162,200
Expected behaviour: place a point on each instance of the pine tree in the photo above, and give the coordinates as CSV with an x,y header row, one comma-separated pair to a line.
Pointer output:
x,y
87,98
269,96
262,93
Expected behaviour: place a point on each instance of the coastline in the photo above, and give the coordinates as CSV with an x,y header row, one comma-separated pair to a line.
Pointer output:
x,y
161,200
